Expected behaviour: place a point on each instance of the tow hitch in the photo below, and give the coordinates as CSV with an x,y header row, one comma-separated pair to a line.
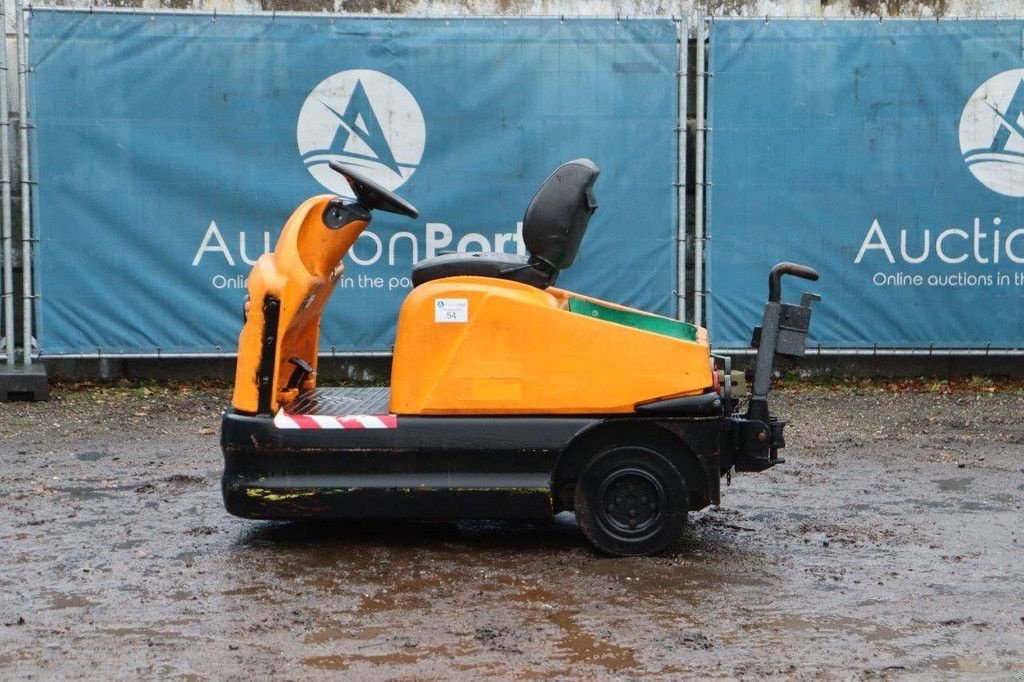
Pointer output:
x,y
756,435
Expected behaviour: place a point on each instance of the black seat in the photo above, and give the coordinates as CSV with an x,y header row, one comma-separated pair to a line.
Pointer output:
x,y
553,228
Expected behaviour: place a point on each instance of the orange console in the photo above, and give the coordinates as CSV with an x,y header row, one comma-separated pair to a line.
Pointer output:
x,y
287,293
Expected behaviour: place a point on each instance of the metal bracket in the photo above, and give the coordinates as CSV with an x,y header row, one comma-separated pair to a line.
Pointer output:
x,y
808,298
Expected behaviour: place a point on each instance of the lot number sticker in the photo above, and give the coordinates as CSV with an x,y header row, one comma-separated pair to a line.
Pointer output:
x,y
451,310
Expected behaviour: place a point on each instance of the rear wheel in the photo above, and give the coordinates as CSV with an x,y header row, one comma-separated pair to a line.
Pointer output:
x,y
630,500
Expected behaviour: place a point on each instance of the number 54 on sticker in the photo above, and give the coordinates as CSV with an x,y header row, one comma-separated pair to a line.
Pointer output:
x,y
451,310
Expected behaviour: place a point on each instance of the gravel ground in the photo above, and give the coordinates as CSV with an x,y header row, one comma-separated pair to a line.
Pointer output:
x,y
889,545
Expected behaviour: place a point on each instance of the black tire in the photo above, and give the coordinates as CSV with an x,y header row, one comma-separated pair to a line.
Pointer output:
x,y
631,501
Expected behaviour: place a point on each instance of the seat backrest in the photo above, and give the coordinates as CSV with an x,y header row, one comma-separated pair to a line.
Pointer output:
x,y
557,216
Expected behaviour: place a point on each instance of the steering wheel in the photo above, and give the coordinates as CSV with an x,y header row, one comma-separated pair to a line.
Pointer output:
x,y
372,196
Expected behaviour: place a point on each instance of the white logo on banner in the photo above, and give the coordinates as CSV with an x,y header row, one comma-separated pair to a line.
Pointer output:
x,y
992,133
364,119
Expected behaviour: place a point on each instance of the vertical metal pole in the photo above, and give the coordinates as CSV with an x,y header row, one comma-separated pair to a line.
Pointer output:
x,y
26,188
683,30
5,193
698,195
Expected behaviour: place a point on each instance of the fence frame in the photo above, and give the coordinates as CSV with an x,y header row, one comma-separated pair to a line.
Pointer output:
x,y
683,23
704,183
6,233
689,24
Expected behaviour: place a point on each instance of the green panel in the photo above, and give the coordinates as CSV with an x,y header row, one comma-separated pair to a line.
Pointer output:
x,y
638,320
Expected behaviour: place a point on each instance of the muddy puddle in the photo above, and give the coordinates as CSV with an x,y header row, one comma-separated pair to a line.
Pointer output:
x,y
865,556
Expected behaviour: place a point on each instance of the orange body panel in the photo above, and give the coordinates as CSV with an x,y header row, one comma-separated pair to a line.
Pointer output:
x,y
301,273
520,351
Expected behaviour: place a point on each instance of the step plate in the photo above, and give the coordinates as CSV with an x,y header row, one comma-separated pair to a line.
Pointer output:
x,y
341,401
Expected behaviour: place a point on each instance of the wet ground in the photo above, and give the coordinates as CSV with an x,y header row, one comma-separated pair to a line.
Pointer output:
x,y
889,545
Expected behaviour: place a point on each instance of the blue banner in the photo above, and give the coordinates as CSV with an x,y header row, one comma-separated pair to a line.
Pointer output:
x,y
888,155
170,150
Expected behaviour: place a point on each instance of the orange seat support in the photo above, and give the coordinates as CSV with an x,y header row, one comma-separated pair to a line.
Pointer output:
x,y
475,345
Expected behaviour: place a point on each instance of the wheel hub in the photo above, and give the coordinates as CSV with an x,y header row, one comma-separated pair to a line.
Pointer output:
x,y
632,500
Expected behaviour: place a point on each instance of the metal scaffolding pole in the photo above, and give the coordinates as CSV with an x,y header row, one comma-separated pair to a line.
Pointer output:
x,y
698,196
5,195
26,187
683,28
26,381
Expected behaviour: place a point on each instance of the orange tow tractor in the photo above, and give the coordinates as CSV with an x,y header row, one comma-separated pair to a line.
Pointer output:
x,y
510,397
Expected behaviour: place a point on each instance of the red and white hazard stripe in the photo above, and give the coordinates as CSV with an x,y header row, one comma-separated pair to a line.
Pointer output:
x,y
283,420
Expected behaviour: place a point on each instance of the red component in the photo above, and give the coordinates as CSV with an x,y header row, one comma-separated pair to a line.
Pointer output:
x,y
305,422
350,423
